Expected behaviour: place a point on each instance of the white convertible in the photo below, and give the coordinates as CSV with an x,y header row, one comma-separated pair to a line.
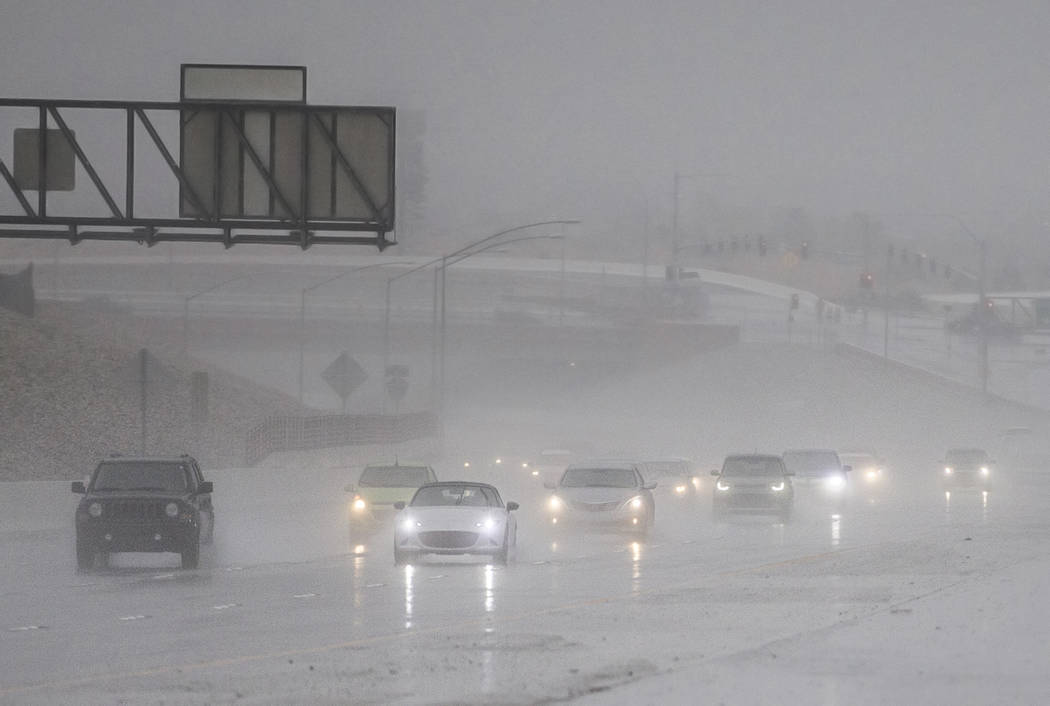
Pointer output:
x,y
455,518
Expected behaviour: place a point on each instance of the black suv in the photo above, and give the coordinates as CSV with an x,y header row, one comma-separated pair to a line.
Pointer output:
x,y
144,505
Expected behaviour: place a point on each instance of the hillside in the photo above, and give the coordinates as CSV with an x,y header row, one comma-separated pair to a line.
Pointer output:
x,y
70,394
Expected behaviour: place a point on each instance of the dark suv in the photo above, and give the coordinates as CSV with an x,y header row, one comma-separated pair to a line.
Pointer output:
x,y
144,505
753,483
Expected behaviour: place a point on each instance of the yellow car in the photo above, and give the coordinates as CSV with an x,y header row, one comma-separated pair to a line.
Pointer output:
x,y
379,487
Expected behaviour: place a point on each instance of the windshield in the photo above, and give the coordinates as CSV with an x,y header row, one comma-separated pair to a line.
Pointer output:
x,y
599,478
966,456
745,466
158,476
667,468
394,477
455,495
811,463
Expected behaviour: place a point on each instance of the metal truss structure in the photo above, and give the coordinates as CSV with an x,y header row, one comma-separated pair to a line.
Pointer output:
x,y
333,185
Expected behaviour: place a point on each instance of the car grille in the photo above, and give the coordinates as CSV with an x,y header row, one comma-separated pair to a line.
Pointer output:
x,y
133,510
594,506
448,539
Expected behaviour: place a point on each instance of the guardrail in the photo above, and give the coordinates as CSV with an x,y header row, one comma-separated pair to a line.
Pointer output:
x,y
299,433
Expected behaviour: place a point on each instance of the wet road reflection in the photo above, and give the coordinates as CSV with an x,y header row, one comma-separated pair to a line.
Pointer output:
x,y
410,572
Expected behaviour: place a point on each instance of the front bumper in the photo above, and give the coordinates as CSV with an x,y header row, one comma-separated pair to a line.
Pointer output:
x,y
753,502
158,536
450,542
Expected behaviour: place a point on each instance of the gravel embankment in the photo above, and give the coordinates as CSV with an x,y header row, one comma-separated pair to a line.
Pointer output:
x,y
70,394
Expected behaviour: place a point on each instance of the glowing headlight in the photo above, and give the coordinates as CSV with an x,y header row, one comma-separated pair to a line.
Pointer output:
x,y
696,482
410,523
535,473
95,509
359,504
466,464
872,475
555,503
679,489
776,486
834,482
984,470
171,509
947,470
722,485
488,523
636,503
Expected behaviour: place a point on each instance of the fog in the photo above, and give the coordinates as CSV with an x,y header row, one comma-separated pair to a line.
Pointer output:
x,y
787,152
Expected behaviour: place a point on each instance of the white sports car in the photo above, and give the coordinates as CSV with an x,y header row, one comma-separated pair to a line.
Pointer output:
x,y
455,518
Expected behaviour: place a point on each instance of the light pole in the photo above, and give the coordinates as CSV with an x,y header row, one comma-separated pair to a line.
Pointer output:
x,y
982,313
452,259
443,260
186,305
302,312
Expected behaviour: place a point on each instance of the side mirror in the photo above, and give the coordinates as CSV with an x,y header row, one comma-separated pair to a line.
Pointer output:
x,y
548,485
350,488
512,506
716,472
205,487
399,505
649,486
847,469
78,487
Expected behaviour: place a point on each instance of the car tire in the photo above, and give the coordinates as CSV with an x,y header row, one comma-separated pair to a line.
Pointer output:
x,y
85,557
191,556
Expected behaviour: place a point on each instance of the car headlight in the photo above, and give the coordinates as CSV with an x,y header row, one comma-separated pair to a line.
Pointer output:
x,y
872,475
679,489
947,470
488,524
984,470
635,503
410,523
696,482
555,503
359,504
834,482
776,487
722,485
171,510
95,509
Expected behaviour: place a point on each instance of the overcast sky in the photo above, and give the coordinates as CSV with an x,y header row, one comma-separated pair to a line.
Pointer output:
x,y
587,108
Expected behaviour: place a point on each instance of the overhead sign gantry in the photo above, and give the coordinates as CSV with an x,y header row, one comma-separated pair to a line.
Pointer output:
x,y
241,158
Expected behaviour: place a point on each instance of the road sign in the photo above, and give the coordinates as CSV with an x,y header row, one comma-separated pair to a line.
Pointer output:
x,y
396,382
344,375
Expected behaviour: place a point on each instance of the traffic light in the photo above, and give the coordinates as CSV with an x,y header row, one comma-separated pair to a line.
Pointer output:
x,y
794,302
867,280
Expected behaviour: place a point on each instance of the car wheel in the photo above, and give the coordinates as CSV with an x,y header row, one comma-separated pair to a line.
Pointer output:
x,y
191,556
85,557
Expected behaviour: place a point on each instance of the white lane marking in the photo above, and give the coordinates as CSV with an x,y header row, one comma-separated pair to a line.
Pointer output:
x,y
374,585
163,577
538,563
305,595
133,617
435,578
234,568
224,606
24,628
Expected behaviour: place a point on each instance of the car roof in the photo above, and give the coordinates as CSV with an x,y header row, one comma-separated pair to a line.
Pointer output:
x,y
808,451
762,456
454,483
607,464
147,459
397,464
